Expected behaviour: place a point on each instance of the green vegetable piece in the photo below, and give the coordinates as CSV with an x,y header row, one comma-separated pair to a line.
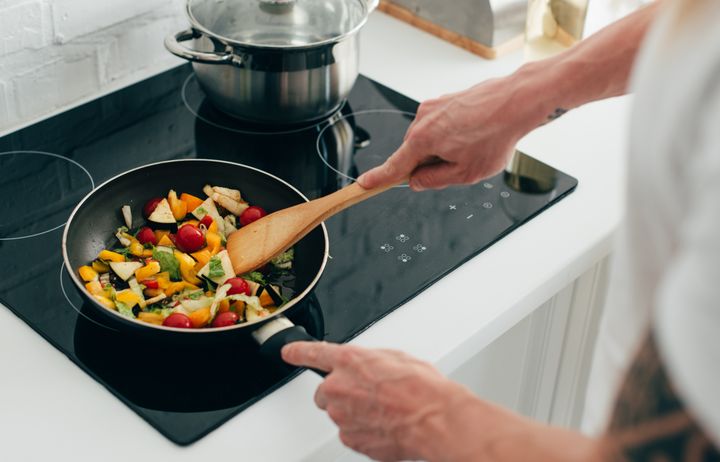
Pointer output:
x,y
216,268
200,211
165,312
168,263
195,295
284,260
254,276
124,310
125,251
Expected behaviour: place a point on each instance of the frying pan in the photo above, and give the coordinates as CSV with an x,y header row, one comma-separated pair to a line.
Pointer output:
x,y
92,226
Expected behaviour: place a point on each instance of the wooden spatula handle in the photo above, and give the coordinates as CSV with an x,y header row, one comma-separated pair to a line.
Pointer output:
x,y
331,204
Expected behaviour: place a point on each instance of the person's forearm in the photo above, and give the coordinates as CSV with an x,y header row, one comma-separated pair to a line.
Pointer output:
x,y
474,430
598,67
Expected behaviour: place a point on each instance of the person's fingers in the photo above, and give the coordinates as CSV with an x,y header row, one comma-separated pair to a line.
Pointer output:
x,y
434,176
317,355
397,167
321,397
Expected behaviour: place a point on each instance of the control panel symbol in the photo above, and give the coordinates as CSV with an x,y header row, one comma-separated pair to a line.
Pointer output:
x,y
386,247
504,194
470,216
402,237
487,205
404,258
452,207
487,185
419,248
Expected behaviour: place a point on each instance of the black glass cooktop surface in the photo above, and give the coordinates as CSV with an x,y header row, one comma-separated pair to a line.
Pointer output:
x,y
416,237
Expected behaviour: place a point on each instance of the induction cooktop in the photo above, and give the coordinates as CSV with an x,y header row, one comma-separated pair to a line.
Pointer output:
x,y
417,237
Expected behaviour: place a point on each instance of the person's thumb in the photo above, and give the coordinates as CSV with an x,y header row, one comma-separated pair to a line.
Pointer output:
x,y
396,168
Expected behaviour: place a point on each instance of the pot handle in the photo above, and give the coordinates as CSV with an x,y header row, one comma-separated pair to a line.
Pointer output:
x,y
277,333
172,43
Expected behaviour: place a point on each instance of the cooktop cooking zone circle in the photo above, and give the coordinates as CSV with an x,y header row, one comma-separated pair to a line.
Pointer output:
x,y
41,189
197,103
357,142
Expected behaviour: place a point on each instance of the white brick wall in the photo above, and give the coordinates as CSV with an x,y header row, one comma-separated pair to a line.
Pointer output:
x,y
57,53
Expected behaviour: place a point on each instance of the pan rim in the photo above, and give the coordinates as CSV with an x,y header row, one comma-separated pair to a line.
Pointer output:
x,y
209,330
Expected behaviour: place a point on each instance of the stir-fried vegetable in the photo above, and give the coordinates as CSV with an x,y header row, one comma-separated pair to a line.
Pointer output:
x,y
174,270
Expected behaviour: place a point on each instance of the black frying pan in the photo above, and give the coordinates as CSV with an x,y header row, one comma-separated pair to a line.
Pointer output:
x,y
93,223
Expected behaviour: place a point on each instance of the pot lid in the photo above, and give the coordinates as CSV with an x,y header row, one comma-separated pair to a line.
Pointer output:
x,y
277,23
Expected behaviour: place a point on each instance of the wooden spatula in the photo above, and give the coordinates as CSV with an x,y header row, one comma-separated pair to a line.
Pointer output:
x,y
254,245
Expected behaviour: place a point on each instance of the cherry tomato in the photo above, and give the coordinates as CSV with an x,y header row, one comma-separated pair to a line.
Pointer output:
x,y
177,320
189,238
207,220
146,236
251,214
151,205
227,318
150,284
238,286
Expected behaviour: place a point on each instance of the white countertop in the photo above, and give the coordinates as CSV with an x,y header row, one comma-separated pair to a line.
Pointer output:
x,y
51,410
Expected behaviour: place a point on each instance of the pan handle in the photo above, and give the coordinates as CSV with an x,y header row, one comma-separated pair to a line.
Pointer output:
x,y
172,43
277,333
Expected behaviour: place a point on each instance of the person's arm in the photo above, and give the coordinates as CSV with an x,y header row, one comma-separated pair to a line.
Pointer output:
x,y
391,406
467,136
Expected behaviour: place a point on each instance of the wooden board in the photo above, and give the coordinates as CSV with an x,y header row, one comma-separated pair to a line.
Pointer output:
x,y
455,38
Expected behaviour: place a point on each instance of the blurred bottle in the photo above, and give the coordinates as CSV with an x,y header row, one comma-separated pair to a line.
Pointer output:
x,y
553,26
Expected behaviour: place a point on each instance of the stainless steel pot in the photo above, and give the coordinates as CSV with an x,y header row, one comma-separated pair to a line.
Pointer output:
x,y
274,61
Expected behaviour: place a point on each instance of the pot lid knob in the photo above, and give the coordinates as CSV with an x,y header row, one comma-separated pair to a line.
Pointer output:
x,y
277,6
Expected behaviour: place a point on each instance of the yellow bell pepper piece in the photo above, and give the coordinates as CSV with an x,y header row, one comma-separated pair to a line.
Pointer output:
x,y
106,302
109,255
100,267
200,317
190,286
239,308
159,233
187,267
128,297
95,288
178,207
214,241
203,257
191,201
195,223
213,227
147,253
87,274
174,287
148,270
136,248
224,306
266,299
152,318
165,241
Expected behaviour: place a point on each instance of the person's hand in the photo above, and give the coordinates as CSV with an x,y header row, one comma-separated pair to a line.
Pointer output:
x,y
386,404
460,138
391,406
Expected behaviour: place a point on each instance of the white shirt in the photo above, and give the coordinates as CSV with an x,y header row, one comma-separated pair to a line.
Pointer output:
x,y
666,267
